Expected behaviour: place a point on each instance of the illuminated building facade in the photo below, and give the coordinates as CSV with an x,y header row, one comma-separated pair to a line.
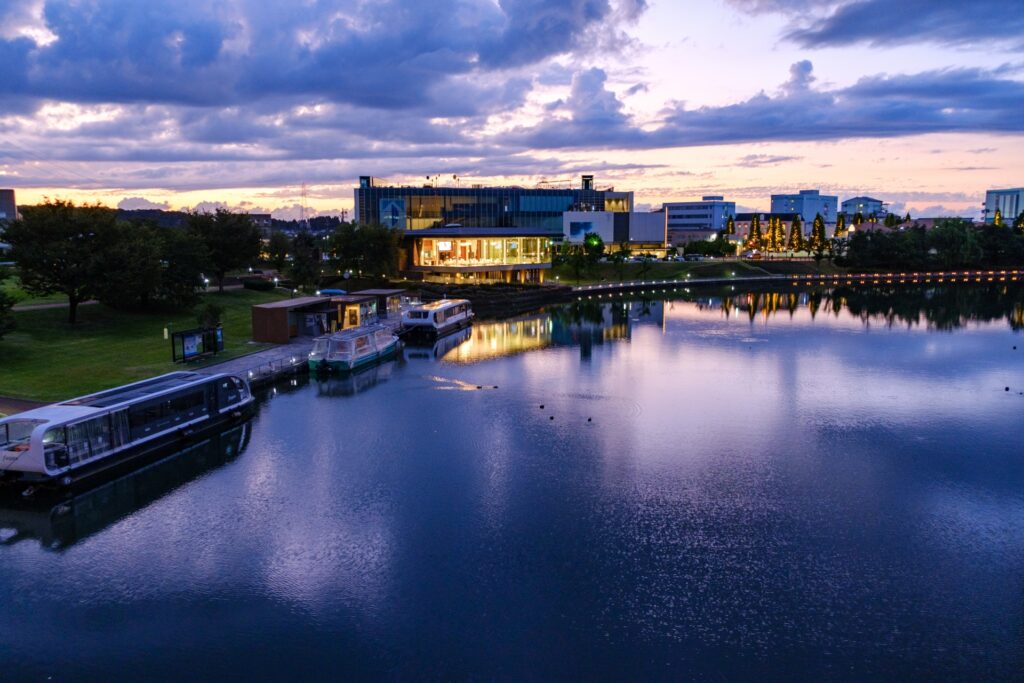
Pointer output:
x,y
640,231
418,208
865,206
710,213
485,254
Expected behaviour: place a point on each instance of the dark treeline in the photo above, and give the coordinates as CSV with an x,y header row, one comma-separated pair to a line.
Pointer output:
x,y
953,243
89,252
178,219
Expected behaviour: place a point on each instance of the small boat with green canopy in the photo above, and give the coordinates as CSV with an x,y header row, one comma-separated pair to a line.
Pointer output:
x,y
347,350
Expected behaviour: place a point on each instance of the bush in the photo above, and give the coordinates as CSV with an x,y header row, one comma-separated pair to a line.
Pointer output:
x,y
6,316
258,284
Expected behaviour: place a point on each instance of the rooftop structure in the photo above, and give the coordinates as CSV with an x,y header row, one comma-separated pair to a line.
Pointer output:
x,y
477,206
8,207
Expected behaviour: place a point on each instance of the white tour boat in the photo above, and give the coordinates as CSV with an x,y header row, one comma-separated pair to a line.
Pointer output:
x,y
350,349
438,318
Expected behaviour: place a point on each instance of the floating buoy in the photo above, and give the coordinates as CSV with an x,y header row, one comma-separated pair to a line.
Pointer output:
x,y
479,387
542,406
590,419
1006,389
552,417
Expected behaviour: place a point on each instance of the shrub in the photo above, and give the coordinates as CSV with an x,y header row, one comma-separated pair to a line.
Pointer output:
x,y
258,284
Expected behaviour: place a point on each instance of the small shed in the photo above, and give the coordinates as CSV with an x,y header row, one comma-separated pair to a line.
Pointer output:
x,y
278,321
354,310
389,301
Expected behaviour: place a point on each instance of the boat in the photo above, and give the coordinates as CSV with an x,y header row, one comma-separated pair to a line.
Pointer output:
x,y
437,318
69,441
347,350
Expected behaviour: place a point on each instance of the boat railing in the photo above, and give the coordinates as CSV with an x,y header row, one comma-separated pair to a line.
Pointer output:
x,y
276,368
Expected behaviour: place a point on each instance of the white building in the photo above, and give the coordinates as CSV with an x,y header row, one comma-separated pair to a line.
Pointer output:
x,y
1009,202
640,231
866,206
710,213
807,203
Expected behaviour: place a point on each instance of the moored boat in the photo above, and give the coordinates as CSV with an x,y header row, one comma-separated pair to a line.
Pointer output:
x,y
350,349
68,441
437,318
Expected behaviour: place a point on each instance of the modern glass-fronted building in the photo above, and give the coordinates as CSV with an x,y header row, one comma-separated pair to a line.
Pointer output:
x,y
486,254
417,208
866,206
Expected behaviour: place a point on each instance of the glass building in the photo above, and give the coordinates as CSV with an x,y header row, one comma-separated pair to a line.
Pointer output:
x,y
418,208
478,254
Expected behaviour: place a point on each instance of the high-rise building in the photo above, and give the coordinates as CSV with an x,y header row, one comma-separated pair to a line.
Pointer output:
x,y
807,203
1009,202
8,207
476,206
710,213
866,206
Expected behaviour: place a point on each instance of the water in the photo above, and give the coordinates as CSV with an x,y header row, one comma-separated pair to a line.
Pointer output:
x,y
731,488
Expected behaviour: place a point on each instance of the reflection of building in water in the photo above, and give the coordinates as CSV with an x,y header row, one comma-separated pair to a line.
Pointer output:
x,y
503,338
353,383
57,525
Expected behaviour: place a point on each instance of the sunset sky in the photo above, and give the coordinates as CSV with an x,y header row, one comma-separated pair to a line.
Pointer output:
x,y
192,103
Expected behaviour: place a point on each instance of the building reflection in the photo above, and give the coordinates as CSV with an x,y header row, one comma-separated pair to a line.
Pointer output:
x,y
60,523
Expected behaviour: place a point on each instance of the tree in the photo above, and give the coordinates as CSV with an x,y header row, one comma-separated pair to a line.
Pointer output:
x,y
1018,223
6,315
594,247
998,219
890,220
730,226
646,261
378,247
305,266
818,237
578,260
619,258
184,260
796,235
907,218
754,238
840,226
858,219
128,265
56,246
277,249
230,238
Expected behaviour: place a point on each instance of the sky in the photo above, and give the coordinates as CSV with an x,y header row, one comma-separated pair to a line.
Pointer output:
x,y
263,105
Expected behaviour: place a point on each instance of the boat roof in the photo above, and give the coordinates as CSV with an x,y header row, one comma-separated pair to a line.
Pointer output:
x,y
379,292
131,392
354,332
293,303
353,298
441,303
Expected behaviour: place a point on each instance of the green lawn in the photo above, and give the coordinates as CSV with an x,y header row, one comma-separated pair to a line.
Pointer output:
x,y
11,286
47,359
658,270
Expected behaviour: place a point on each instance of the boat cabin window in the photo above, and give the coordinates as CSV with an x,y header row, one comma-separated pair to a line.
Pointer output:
x,y
88,439
17,431
417,315
344,346
320,347
362,343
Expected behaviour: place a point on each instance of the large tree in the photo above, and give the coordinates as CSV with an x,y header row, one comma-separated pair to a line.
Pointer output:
x,y
129,262
277,250
997,220
796,235
57,246
1018,223
184,260
754,237
730,226
230,238
840,226
305,266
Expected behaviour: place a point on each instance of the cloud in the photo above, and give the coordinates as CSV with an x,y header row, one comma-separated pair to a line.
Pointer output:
x,y
828,23
764,160
941,101
135,203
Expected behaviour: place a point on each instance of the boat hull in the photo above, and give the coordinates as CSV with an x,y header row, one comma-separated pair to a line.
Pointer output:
x,y
328,365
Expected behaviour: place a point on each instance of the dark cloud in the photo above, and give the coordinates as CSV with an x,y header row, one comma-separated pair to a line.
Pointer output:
x,y
830,23
942,101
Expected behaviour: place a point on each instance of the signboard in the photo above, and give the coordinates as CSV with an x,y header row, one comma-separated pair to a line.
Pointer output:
x,y
192,344
392,213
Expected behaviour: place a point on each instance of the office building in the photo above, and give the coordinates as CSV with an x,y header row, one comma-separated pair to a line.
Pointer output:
x,y
744,221
8,207
807,203
865,206
640,231
1010,203
540,208
710,213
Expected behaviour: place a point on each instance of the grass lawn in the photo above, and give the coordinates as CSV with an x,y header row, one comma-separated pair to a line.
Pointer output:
x,y
11,286
658,270
47,359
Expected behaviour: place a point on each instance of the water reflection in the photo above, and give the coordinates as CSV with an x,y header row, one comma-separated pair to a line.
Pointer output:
x,y
59,524
355,382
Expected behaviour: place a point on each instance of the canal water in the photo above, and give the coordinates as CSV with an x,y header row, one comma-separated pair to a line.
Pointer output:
x,y
715,485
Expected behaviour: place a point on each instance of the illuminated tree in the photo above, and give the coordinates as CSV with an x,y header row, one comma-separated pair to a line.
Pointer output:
x,y
858,218
754,238
840,226
778,233
594,246
730,226
998,220
817,241
796,235
1018,223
